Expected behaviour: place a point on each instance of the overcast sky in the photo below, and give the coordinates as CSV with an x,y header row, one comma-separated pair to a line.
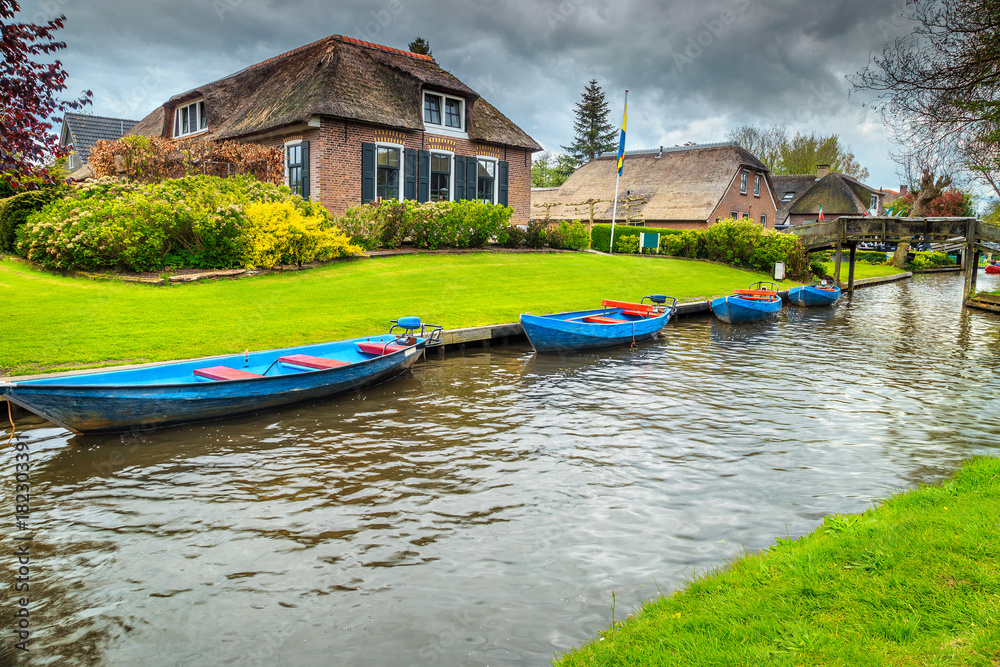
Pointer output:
x,y
694,70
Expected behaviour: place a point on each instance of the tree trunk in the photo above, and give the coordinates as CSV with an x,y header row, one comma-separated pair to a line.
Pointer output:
x,y
929,191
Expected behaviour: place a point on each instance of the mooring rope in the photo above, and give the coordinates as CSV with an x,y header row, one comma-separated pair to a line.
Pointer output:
x,y
13,429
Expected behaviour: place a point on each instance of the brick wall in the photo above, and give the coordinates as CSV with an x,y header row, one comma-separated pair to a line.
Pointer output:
x,y
335,161
734,200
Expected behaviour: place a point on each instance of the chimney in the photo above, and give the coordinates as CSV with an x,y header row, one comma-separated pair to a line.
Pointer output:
x,y
660,153
902,190
822,170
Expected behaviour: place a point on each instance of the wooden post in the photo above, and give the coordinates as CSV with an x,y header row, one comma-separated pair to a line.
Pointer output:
x,y
850,268
971,260
836,267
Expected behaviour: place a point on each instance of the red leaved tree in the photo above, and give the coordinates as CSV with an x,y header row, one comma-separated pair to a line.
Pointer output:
x,y
28,96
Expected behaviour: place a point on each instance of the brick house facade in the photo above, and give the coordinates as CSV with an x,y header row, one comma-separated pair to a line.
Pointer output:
x,y
685,187
358,121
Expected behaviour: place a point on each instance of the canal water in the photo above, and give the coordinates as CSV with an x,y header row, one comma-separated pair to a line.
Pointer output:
x,y
491,507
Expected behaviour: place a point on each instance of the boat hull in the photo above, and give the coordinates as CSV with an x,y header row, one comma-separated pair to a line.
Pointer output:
x,y
735,310
564,332
119,401
812,296
991,269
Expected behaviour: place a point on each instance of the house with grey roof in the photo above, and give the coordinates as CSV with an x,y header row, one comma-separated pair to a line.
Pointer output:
x,y
801,196
683,187
359,121
80,131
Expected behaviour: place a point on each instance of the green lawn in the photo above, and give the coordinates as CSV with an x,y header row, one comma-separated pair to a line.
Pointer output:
x,y
863,270
51,322
912,582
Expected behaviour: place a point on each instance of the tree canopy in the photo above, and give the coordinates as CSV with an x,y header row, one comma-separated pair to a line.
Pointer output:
x,y
421,45
28,92
550,171
594,134
798,155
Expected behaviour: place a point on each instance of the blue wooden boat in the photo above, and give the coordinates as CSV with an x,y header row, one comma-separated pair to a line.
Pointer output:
x,y
180,392
615,323
817,294
748,305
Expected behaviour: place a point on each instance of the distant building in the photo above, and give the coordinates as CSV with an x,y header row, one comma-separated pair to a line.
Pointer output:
x,y
800,197
81,131
359,121
684,187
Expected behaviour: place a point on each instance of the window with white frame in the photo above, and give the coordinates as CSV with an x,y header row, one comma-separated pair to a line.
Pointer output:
x,y
387,177
756,185
190,119
874,204
486,181
763,221
440,181
442,112
743,182
788,196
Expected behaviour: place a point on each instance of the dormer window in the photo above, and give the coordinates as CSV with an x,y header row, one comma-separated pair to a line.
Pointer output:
x,y
190,119
444,113
788,196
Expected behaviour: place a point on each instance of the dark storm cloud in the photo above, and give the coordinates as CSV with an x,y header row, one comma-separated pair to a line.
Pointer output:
x,y
693,69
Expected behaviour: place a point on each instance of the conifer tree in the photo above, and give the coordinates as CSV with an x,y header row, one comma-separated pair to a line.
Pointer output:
x,y
594,134
421,45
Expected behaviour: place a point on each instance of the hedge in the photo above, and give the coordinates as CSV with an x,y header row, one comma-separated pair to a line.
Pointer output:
x,y
743,244
14,211
600,235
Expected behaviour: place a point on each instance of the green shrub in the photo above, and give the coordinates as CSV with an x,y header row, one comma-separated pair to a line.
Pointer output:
x,y
363,225
569,235
196,221
930,260
869,257
627,244
14,212
280,232
515,237
743,244
600,235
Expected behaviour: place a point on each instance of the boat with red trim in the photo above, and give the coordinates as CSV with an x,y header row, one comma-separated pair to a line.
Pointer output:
x,y
748,305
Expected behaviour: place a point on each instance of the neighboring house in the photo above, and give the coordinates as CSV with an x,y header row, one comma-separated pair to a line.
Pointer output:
x,y
800,197
81,131
685,187
358,121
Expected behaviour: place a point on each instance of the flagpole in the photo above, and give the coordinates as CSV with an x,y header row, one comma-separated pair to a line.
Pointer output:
x,y
621,163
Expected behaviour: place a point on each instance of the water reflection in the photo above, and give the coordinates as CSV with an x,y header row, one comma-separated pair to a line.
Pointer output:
x,y
482,509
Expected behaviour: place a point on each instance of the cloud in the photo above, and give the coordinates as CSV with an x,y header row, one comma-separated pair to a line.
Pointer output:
x,y
694,70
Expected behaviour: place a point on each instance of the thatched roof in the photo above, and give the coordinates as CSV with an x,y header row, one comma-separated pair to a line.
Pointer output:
x,y
338,77
683,183
839,195
795,185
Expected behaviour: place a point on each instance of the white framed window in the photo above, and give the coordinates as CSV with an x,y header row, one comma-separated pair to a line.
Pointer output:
x,y
442,181
734,215
743,182
388,171
756,185
788,196
190,119
874,203
763,221
486,180
444,114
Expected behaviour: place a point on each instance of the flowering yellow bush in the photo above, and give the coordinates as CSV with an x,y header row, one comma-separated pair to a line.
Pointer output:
x,y
279,232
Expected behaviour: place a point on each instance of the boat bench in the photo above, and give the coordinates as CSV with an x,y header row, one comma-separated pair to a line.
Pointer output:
x,y
378,349
224,373
600,319
313,363
756,294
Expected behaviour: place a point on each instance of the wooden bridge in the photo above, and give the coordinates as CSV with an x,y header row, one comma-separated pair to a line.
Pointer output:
x,y
848,232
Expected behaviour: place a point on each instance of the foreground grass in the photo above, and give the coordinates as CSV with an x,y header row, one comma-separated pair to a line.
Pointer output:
x,y
51,322
912,582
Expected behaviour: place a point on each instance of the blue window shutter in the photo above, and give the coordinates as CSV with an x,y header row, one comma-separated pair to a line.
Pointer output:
x,y
423,176
471,175
410,175
367,173
459,177
305,170
503,169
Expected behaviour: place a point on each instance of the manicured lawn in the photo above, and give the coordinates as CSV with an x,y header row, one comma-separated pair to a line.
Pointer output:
x,y
912,582
51,322
863,270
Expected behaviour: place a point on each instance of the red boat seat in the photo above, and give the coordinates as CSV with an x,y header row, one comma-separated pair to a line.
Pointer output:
x,y
638,313
312,362
756,294
224,373
600,319
379,348
636,308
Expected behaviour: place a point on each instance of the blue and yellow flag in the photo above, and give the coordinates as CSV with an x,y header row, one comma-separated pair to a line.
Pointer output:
x,y
621,142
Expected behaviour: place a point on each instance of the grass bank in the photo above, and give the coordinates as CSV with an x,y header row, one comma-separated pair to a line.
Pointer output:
x,y
911,582
863,270
52,323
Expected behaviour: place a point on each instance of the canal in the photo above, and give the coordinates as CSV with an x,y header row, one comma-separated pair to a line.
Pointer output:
x,y
483,509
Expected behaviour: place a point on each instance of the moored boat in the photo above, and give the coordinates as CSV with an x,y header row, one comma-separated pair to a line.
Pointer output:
x,y
615,323
180,392
817,294
992,268
748,305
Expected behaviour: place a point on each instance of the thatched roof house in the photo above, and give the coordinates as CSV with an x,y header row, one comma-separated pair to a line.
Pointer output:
x,y
344,107
802,195
685,187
